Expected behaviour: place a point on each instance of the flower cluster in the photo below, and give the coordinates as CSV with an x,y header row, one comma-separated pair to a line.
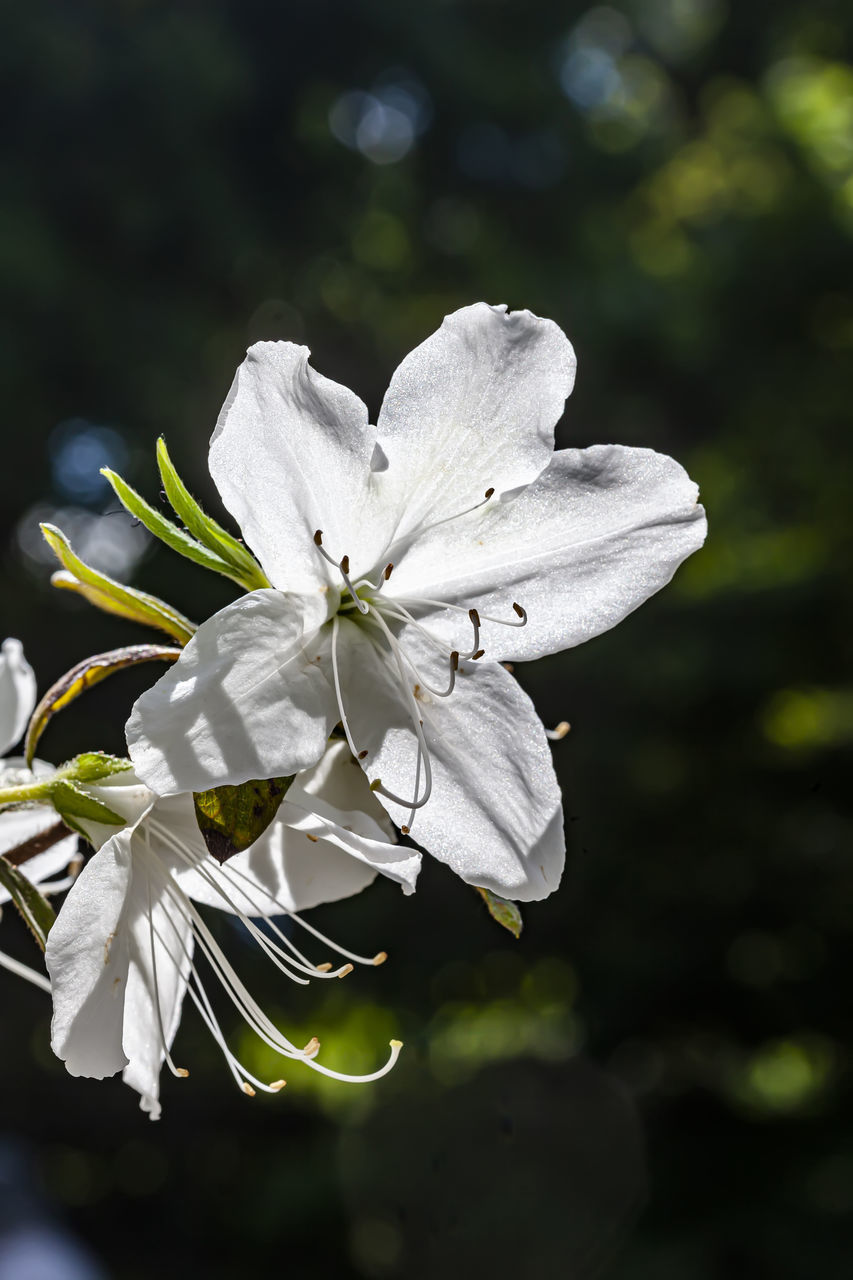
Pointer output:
x,y
358,687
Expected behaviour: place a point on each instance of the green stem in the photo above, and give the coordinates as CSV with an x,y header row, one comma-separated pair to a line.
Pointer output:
x,y
30,791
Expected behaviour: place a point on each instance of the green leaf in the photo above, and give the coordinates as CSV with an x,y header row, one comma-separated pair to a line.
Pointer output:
x,y
35,909
232,818
113,596
204,527
81,677
73,802
178,539
505,912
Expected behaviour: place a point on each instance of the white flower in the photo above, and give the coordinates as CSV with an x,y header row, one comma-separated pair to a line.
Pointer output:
x,y
398,554
17,826
121,953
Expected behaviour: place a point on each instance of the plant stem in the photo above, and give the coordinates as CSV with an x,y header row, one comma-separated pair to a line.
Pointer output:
x,y
26,793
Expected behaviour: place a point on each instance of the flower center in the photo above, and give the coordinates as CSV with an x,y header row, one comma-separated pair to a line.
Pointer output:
x,y
363,600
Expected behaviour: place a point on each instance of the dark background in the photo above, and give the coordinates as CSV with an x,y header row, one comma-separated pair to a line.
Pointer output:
x,y
655,1081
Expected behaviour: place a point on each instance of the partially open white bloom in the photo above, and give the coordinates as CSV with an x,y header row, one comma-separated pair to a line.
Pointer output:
x,y
122,953
17,826
401,556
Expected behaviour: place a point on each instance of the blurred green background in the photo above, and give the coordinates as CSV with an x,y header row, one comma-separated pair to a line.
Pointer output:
x,y
655,1081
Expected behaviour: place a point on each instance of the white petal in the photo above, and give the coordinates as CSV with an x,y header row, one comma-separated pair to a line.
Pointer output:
x,y
597,534
161,946
248,698
19,825
17,693
472,408
495,812
291,454
283,871
88,960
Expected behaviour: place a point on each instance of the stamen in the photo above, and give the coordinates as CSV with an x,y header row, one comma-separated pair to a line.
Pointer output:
x,y
176,1071
24,971
342,566
388,570
337,683
409,538
417,725
559,731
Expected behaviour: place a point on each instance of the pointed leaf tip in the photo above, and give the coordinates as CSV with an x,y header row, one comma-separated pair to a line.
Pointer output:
x,y
505,912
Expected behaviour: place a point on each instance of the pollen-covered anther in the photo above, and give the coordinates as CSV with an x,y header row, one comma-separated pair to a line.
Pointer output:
x,y
380,957
559,731
405,830
325,967
313,839
247,1089
277,1085
182,1072
345,969
312,1048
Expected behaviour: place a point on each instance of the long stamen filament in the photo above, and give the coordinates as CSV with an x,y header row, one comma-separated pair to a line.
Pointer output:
x,y
414,714
342,566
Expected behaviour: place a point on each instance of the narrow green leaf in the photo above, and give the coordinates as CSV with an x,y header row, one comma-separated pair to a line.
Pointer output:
x,y
34,907
73,803
505,912
232,818
113,596
204,527
83,676
178,539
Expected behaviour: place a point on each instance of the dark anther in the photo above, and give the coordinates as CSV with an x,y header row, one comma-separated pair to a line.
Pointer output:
x,y
362,754
474,616
387,572
518,609
345,564
477,655
454,660
318,537
405,830
489,493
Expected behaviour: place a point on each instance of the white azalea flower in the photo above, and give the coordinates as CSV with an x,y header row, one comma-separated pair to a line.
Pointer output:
x,y
36,822
121,953
398,555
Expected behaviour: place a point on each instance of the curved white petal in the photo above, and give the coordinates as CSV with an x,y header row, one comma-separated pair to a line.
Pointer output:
x,y
19,825
17,693
291,454
87,957
495,813
161,948
312,852
597,534
248,698
472,408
